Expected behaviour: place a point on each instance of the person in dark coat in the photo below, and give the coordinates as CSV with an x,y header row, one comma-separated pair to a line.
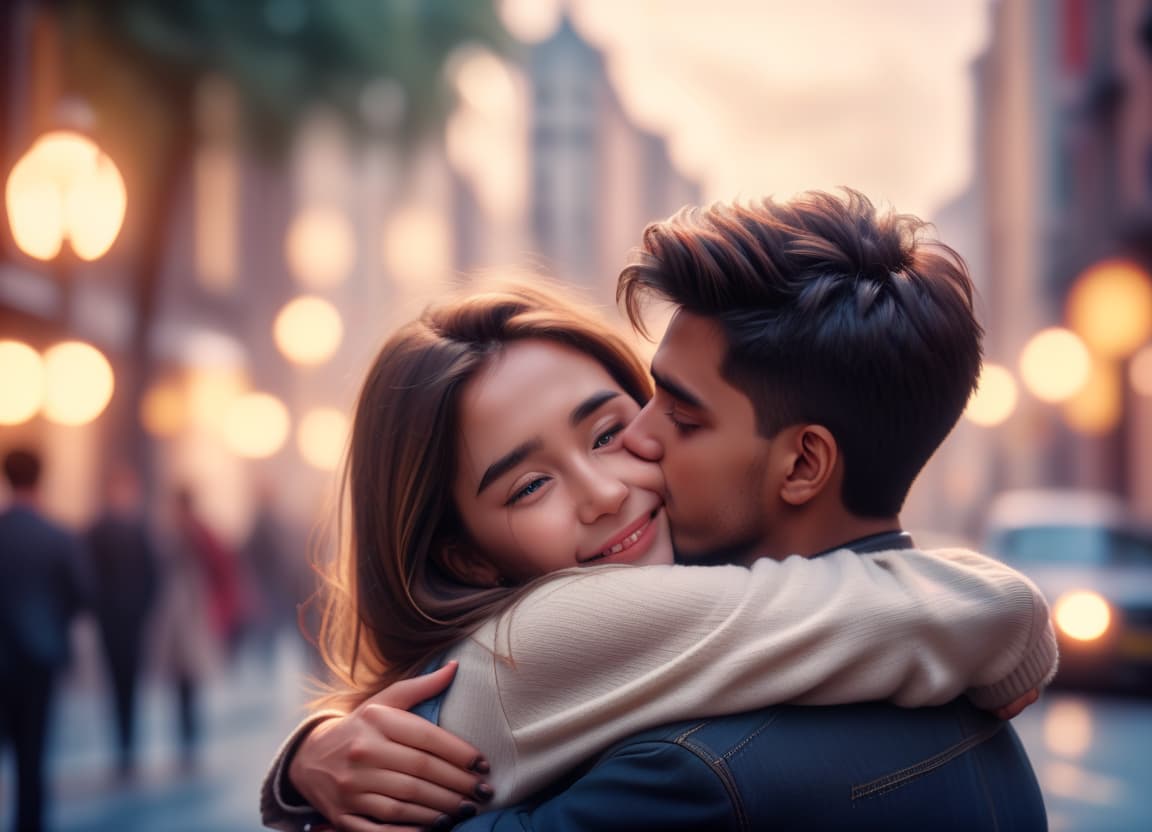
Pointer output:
x,y
124,568
42,587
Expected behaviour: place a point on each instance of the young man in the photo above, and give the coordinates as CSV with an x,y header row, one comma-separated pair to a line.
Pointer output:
x,y
818,355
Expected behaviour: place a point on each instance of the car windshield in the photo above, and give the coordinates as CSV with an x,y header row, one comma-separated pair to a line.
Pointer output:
x,y
1075,546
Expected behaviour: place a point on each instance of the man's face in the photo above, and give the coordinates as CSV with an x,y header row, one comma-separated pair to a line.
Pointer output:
x,y
702,431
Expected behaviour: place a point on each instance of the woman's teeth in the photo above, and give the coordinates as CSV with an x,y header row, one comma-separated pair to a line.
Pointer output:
x,y
623,544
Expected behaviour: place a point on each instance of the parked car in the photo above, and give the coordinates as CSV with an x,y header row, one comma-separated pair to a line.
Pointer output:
x,y
1095,567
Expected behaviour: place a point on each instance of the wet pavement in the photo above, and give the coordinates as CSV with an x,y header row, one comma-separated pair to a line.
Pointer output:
x,y
246,714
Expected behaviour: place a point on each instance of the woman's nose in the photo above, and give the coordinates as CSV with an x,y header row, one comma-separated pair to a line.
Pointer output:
x,y
602,494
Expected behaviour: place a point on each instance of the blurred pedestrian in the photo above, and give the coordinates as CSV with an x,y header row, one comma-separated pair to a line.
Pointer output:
x,y
198,613
125,580
42,586
271,565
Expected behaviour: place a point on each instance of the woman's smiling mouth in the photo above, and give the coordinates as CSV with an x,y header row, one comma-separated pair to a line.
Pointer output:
x,y
628,541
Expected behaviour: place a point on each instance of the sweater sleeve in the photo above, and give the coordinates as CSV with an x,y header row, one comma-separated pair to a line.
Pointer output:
x,y
588,659
280,806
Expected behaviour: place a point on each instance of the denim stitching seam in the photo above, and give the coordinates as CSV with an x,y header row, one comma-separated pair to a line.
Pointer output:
x,y
896,779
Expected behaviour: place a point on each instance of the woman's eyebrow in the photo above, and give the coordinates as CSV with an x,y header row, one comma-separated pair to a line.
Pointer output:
x,y
521,452
590,405
509,461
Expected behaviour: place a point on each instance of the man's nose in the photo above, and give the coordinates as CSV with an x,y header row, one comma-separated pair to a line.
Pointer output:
x,y
640,439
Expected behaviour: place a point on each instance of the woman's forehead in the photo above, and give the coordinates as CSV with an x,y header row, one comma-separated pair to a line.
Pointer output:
x,y
533,371
528,391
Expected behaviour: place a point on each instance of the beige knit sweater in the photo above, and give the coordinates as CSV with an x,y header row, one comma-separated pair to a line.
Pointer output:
x,y
597,654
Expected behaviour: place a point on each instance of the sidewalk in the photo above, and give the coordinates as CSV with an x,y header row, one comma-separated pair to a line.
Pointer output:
x,y
245,716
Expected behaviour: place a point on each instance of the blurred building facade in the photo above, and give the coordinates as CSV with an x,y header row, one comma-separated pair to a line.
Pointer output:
x,y
540,170
1062,181
597,178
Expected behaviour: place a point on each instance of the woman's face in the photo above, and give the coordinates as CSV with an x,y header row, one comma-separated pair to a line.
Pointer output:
x,y
544,482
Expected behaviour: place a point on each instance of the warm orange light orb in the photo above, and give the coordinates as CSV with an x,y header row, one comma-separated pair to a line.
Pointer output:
x,y
78,383
256,425
1097,408
308,330
21,382
321,437
1055,365
1110,307
320,247
1082,615
994,399
164,410
65,188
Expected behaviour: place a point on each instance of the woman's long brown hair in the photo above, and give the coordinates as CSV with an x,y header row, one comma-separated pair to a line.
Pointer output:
x,y
392,602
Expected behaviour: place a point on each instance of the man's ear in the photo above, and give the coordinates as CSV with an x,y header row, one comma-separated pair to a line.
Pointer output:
x,y
814,456
465,564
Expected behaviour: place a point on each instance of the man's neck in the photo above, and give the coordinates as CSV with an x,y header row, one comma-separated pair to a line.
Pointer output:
x,y
808,539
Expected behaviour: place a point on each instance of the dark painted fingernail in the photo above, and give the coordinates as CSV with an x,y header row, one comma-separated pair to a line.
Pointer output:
x,y
480,765
442,824
483,792
466,810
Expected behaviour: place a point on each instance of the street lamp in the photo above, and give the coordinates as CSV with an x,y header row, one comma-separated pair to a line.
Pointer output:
x,y
65,189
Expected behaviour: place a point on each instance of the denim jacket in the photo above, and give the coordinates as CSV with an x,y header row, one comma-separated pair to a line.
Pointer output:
x,y
861,767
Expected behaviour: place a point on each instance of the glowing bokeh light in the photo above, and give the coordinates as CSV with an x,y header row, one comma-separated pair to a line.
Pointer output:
x,y
78,383
65,188
1110,307
1082,615
163,410
320,247
209,392
530,21
417,249
995,398
1055,364
21,382
1068,728
1097,407
256,425
308,330
321,437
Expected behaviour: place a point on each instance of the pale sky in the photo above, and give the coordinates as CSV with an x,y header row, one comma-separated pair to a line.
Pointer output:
x,y
775,96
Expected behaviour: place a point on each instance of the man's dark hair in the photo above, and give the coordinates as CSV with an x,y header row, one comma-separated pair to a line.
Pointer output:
x,y
835,315
22,468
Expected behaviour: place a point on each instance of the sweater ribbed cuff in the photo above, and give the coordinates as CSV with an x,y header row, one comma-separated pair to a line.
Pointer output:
x,y
281,806
1034,671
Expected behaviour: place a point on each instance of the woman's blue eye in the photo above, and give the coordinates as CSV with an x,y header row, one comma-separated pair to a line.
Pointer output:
x,y
607,436
529,489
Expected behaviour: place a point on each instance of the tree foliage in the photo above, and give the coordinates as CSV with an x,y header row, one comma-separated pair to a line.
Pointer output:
x,y
285,56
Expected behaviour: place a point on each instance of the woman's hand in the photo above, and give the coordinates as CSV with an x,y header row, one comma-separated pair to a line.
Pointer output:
x,y
381,765
1013,709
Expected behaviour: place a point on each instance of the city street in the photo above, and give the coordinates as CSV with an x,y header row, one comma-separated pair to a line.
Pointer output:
x,y
246,715
1091,753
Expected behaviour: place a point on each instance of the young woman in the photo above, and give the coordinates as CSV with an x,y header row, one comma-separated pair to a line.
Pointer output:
x,y
495,520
